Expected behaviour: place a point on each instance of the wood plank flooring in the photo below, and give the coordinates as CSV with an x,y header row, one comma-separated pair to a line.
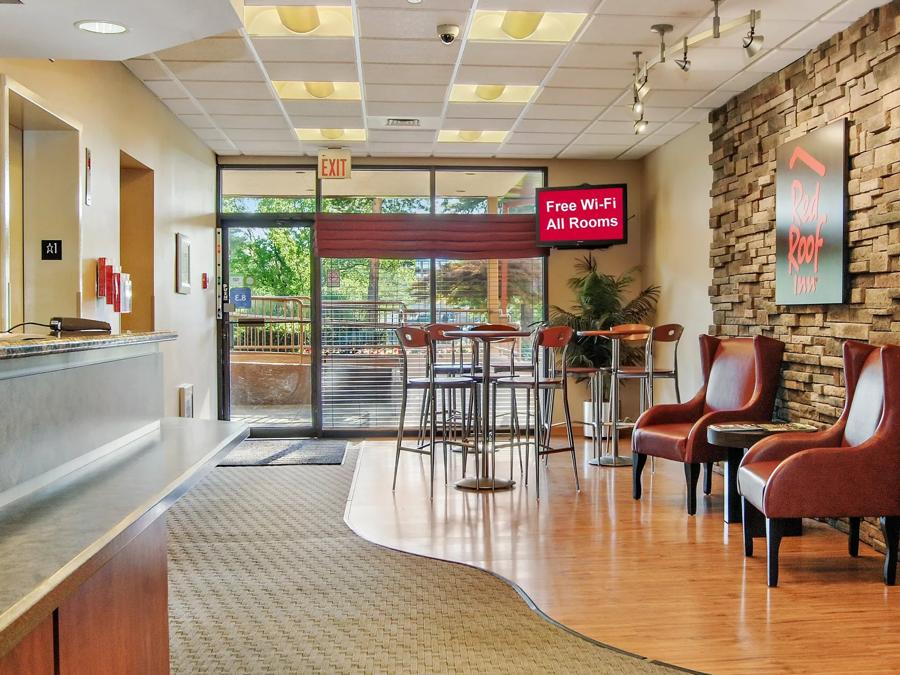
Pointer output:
x,y
642,575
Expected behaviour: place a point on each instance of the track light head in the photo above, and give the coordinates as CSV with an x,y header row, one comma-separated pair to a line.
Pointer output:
x,y
753,43
637,108
683,62
640,127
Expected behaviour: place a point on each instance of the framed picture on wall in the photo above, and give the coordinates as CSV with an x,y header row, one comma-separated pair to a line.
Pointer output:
x,y
811,218
182,264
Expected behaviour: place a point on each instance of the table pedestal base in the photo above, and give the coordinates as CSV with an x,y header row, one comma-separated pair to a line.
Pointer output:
x,y
488,484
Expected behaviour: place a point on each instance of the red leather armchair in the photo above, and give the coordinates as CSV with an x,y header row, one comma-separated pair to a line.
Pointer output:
x,y
740,380
849,470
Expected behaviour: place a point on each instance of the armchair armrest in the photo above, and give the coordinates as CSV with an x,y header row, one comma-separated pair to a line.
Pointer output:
x,y
825,481
779,447
673,413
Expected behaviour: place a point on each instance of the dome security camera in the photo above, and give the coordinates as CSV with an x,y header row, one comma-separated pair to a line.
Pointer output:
x,y
448,32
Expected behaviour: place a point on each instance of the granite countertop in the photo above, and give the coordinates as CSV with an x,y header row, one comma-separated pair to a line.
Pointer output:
x,y
18,348
49,534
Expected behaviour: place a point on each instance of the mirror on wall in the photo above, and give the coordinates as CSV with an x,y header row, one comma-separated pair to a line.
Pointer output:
x,y
43,248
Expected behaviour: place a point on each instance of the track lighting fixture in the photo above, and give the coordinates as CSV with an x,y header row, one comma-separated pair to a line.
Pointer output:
x,y
637,108
641,78
683,62
640,127
717,22
753,43
661,29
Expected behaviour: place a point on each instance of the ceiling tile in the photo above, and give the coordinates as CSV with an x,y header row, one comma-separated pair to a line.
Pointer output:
x,y
301,107
250,121
409,149
670,76
564,112
589,78
326,121
402,136
408,51
577,6
651,114
408,73
383,109
285,135
165,88
524,151
594,97
517,54
405,92
230,90
681,8
206,71
607,127
328,50
672,98
210,49
477,124
814,35
181,106
320,71
485,110
500,75
551,126
239,107
196,121
413,24
209,134
525,137
609,56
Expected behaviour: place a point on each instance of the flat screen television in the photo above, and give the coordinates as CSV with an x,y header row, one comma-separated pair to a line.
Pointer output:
x,y
582,216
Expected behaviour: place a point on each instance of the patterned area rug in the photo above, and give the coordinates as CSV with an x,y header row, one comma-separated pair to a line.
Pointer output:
x,y
265,577
259,452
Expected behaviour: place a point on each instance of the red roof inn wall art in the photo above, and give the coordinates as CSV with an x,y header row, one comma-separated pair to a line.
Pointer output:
x,y
811,218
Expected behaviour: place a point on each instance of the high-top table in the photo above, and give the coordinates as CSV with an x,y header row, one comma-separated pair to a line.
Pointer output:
x,y
486,481
615,337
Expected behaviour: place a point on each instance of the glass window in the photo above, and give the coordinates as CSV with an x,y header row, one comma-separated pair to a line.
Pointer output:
x,y
486,191
269,191
401,191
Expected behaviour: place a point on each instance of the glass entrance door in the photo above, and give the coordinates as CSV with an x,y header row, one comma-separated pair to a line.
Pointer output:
x,y
270,362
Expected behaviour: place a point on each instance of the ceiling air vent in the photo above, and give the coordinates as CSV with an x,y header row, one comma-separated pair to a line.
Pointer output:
x,y
402,122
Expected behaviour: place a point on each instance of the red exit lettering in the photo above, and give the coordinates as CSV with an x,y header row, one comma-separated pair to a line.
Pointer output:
x,y
334,168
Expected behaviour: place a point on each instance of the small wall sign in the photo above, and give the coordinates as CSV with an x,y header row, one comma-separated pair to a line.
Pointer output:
x,y
240,297
51,249
334,164
811,218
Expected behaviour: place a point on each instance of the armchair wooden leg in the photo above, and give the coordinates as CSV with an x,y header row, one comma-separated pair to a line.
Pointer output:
x,y
639,460
890,526
853,539
748,530
774,532
707,478
692,477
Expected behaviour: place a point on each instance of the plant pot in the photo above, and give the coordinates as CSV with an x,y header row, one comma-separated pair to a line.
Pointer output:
x,y
588,416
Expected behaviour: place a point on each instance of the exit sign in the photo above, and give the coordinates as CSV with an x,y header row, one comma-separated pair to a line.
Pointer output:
x,y
334,164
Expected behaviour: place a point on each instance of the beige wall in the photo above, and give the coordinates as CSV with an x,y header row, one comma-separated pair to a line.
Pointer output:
x,y
117,113
677,183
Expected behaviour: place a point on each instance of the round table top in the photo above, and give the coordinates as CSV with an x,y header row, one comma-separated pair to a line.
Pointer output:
x,y
613,334
487,334
736,438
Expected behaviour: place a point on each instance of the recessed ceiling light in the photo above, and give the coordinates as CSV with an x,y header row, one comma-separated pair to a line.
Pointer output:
x,y
324,135
101,27
525,26
298,21
470,136
335,91
492,93
414,2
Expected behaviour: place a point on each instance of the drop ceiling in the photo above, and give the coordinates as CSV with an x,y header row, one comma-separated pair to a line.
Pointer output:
x,y
222,86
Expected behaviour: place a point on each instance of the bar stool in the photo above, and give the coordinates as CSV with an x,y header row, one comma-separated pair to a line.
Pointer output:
x,y
638,340
415,338
554,342
648,373
438,333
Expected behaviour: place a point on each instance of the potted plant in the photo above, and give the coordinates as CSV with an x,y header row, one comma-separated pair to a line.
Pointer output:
x,y
601,303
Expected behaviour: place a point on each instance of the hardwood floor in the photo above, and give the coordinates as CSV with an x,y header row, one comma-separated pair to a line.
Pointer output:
x,y
643,576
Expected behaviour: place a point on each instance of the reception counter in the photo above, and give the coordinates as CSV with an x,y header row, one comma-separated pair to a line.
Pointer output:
x,y
88,468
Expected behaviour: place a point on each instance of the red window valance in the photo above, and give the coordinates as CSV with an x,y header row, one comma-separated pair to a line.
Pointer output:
x,y
425,236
